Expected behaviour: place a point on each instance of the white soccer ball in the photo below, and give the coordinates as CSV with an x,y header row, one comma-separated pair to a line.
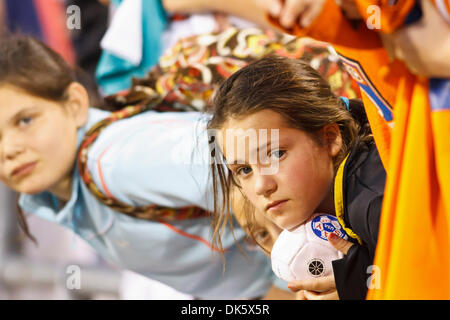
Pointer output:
x,y
305,252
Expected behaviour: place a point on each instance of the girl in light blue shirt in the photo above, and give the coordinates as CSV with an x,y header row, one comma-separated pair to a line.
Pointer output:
x,y
152,158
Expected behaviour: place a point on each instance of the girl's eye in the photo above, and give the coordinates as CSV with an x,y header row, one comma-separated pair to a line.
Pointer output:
x,y
24,121
259,237
243,171
262,236
277,154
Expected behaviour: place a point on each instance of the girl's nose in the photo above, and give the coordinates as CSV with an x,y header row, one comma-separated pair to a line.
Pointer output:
x,y
265,184
9,150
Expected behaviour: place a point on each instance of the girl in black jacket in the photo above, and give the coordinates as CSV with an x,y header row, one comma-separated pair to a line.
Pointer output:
x,y
293,149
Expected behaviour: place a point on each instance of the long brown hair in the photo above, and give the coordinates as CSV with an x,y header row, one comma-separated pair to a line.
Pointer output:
x,y
32,66
296,91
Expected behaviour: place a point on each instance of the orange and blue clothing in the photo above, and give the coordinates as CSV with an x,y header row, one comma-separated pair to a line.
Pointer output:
x,y
410,119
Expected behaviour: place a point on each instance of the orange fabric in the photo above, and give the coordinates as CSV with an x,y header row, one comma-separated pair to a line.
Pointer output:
x,y
412,250
361,47
391,16
413,244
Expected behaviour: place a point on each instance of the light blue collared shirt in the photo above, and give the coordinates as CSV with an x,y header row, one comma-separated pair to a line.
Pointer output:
x,y
157,158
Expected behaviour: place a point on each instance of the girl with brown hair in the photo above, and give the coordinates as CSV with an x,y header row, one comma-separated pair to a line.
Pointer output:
x,y
292,149
135,190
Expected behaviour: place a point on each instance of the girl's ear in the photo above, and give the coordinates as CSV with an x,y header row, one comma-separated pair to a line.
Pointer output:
x,y
333,138
77,103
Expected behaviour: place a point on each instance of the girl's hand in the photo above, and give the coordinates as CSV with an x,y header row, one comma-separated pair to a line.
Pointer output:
x,y
293,11
315,289
350,9
339,243
423,45
321,288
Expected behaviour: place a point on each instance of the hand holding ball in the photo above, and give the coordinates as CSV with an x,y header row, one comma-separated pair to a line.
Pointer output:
x,y
305,252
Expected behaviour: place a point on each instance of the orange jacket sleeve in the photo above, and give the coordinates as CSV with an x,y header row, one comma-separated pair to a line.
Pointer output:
x,y
366,60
